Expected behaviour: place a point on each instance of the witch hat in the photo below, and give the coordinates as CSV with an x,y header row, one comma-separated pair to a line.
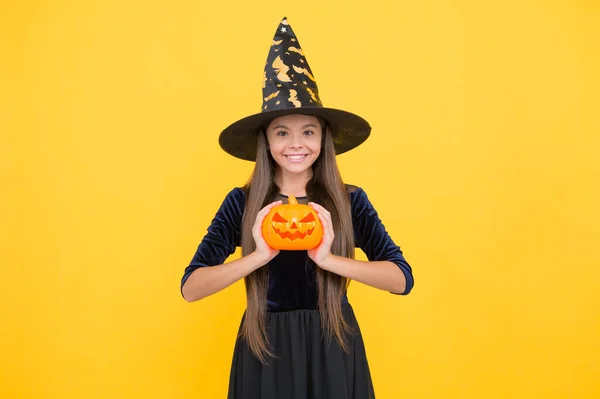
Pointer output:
x,y
289,86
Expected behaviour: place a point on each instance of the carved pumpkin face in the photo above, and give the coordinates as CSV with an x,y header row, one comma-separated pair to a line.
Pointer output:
x,y
292,226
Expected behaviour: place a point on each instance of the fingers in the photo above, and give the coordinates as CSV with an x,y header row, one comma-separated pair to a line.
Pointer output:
x,y
321,211
319,208
325,221
263,212
325,218
260,216
261,245
268,207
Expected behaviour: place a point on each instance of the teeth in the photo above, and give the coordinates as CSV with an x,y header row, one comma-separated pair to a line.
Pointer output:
x,y
296,157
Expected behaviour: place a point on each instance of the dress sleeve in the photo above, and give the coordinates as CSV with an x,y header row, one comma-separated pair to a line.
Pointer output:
x,y
222,237
371,236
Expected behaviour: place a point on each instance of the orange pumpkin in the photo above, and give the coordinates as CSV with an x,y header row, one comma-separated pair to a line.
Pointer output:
x,y
292,226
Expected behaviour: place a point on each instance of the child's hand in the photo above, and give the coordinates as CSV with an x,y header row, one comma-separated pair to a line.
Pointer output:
x,y
322,252
264,250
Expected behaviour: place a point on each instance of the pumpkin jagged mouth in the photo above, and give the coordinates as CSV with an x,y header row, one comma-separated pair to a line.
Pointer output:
x,y
295,235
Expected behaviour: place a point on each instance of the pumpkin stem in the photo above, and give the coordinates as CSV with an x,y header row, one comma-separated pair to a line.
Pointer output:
x,y
292,200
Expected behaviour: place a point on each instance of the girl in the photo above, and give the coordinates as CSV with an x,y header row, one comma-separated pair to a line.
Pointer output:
x,y
298,338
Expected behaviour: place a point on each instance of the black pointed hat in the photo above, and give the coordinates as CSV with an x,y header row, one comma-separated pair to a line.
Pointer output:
x,y
289,86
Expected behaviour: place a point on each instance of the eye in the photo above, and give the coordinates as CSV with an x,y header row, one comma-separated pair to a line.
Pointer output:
x,y
277,218
308,133
308,218
282,133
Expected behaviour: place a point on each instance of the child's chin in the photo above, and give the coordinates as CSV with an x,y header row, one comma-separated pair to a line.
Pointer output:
x,y
297,168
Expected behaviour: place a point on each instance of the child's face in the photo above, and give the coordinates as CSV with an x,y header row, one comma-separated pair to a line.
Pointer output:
x,y
295,142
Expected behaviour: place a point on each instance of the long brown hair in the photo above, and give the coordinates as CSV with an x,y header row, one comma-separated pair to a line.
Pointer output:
x,y
325,188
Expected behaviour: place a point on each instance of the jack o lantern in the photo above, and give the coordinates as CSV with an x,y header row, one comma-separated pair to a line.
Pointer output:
x,y
292,226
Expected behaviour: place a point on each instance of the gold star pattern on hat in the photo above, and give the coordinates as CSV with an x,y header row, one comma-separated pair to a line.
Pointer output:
x,y
277,94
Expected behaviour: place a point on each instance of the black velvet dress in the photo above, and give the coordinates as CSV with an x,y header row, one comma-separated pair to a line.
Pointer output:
x,y
308,365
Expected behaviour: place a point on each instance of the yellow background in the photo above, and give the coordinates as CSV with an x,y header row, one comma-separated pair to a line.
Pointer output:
x,y
483,164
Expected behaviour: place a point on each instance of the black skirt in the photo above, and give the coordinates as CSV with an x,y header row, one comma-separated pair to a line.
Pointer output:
x,y
308,365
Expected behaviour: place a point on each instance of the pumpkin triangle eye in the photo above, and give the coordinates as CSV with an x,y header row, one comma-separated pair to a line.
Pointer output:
x,y
277,218
308,218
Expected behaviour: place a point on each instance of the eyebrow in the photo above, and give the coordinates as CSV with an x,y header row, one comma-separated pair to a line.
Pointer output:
x,y
303,127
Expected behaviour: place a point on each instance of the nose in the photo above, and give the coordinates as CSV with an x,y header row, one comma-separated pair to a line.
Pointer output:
x,y
296,141
294,225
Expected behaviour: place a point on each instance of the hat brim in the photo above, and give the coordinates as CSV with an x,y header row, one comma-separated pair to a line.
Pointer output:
x,y
349,130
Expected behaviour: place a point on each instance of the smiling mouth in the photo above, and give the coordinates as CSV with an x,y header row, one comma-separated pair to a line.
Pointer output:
x,y
295,235
296,157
